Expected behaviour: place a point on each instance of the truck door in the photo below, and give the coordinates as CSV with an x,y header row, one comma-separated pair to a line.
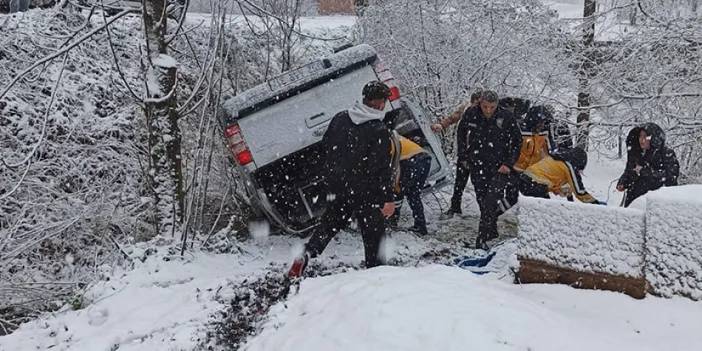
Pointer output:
x,y
412,122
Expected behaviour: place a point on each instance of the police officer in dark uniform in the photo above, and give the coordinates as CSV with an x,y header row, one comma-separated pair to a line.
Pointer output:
x,y
493,149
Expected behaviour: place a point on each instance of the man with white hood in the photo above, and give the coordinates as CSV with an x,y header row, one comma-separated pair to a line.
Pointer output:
x,y
359,175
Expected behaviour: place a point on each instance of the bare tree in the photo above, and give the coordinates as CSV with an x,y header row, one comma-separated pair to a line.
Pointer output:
x,y
161,85
442,50
585,72
608,74
281,24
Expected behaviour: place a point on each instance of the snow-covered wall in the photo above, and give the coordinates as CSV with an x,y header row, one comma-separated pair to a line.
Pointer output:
x,y
674,241
584,237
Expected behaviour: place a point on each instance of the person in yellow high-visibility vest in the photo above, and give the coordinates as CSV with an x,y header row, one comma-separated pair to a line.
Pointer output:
x,y
415,163
558,174
535,138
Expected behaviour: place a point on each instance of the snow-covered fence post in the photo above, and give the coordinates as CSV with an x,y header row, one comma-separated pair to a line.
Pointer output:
x,y
161,84
673,245
582,245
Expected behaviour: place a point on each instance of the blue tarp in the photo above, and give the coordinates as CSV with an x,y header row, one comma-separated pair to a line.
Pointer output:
x,y
475,264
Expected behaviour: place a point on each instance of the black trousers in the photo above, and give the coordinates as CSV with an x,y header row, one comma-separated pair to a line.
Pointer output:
x,y
338,216
495,195
529,187
413,176
462,175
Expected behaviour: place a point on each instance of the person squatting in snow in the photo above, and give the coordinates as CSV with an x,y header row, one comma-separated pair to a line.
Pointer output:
x,y
414,165
462,164
650,164
359,167
560,174
535,138
538,139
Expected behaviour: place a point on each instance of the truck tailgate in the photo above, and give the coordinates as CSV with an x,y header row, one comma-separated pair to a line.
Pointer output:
x,y
301,120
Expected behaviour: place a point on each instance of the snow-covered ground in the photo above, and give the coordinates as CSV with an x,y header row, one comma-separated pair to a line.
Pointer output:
x,y
446,308
167,302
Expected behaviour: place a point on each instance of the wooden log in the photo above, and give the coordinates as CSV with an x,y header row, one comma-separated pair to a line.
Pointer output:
x,y
534,271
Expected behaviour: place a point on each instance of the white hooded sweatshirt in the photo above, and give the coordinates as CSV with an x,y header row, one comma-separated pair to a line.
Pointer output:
x,y
361,113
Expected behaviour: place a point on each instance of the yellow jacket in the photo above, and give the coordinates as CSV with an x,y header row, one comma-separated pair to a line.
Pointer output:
x,y
535,147
560,177
409,148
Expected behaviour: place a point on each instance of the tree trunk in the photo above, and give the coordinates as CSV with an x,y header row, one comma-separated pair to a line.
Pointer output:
x,y
584,74
162,118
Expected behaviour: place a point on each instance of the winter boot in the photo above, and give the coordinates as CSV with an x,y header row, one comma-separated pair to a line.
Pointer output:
x,y
451,212
298,267
419,229
481,244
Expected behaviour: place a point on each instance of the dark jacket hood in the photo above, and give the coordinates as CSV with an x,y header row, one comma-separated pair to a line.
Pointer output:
x,y
534,116
657,135
521,106
653,130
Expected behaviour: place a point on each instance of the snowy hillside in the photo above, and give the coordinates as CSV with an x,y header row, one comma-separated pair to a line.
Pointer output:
x,y
446,308
169,302
73,151
83,266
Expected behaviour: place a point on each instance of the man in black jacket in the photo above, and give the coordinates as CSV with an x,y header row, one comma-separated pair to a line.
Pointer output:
x,y
359,177
462,167
493,149
650,164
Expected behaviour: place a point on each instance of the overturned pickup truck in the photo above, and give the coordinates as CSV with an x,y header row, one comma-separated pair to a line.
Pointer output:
x,y
274,133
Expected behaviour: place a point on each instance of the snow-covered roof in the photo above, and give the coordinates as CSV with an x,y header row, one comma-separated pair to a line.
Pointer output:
x,y
276,86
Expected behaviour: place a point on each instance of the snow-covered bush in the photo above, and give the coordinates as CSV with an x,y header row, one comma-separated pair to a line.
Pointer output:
x,y
674,241
643,71
73,146
70,178
443,50
650,72
584,237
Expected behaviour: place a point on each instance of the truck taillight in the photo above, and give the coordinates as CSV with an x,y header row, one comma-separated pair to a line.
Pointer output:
x,y
244,157
385,76
237,145
394,93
